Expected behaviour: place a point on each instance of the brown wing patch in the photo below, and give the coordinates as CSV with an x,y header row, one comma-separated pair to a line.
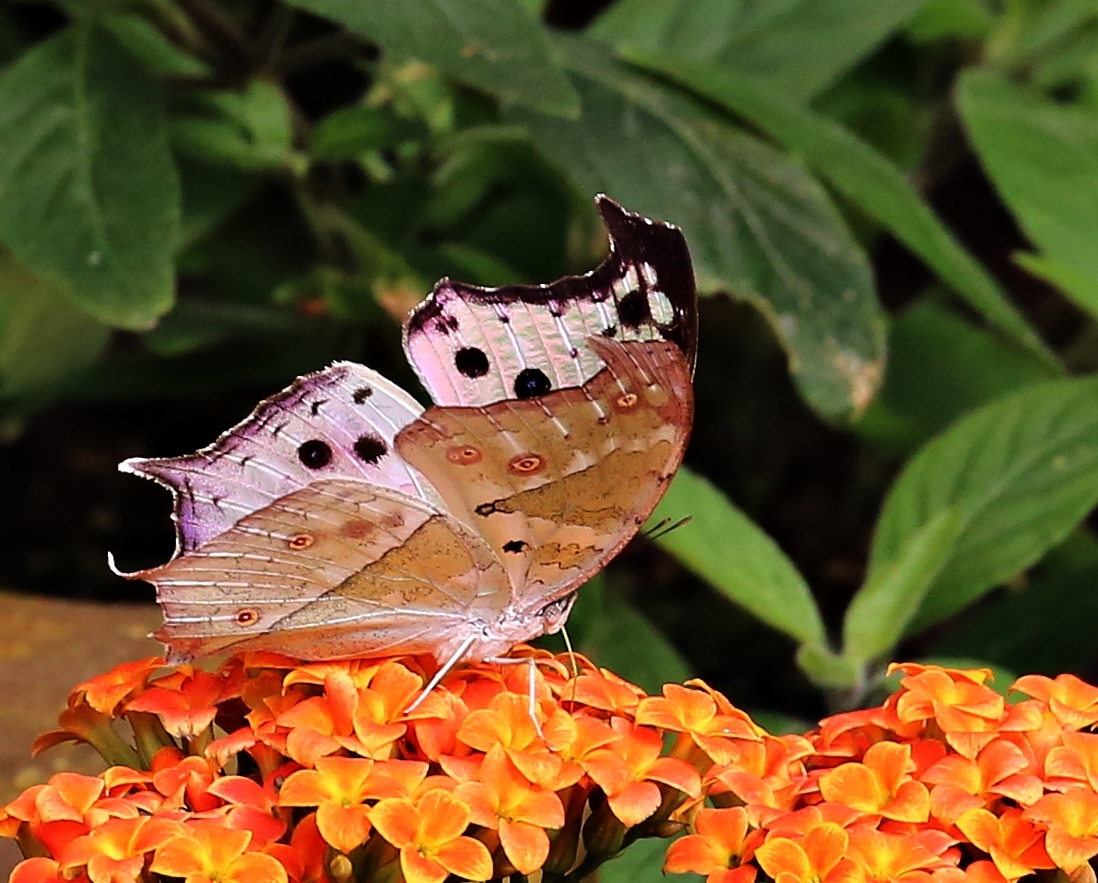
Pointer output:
x,y
559,483
340,568
594,497
436,566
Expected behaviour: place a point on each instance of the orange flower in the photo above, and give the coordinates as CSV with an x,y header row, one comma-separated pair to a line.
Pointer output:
x,y
340,786
572,739
1074,762
628,769
507,722
211,853
185,701
250,806
115,851
880,856
429,835
767,773
504,800
720,848
881,784
351,715
796,824
999,770
1074,703
1072,819
819,857
318,726
106,692
1014,844
38,870
695,712
966,710
601,689
303,856
58,811
184,780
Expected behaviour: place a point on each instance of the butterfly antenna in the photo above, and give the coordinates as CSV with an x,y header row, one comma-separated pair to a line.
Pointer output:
x,y
664,527
447,667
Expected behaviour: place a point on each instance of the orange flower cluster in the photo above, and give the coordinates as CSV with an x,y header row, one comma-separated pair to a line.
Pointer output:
x,y
270,770
946,782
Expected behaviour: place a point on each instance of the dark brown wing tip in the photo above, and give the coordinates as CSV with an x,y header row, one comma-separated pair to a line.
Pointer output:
x,y
637,238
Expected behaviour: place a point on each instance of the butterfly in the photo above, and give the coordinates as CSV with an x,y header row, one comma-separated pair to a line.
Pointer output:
x,y
341,519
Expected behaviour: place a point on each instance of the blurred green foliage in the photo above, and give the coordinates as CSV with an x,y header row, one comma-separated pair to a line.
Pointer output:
x,y
198,196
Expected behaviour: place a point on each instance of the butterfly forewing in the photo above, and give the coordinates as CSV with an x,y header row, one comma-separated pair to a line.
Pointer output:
x,y
475,346
339,422
338,569
558,484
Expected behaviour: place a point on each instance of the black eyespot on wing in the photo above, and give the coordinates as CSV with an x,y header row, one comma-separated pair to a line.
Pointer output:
x,y
370,449
531,382
514,545
361,394
314,454
633,309
471,362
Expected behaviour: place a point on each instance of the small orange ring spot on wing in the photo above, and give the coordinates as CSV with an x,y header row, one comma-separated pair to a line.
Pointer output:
x,y
246,617
627,401
464,455
526,464
301,541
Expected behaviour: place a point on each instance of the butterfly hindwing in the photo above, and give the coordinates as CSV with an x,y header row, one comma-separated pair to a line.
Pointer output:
x,y
337,569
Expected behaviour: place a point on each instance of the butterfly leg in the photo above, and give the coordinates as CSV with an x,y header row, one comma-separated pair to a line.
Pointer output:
x,y
531,693
446,668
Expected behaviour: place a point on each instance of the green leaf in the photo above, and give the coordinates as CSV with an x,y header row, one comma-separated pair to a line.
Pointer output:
x,y
828,669
1027,31
150,46
43,337
800,47
730,552
863,175
196,324
1022,471
944,19
939,366
759,227
1045,625
351,131
89,197
497,46
620,638
641,862
882,608
1043,160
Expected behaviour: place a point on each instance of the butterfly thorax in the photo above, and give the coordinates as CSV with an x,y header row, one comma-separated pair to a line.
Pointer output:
x,y
483,639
